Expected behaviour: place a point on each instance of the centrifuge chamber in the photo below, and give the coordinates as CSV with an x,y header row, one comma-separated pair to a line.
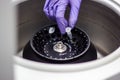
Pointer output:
x,y
100,19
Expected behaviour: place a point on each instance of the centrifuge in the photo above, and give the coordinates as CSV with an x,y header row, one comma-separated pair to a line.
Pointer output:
x,y
43,53
93,52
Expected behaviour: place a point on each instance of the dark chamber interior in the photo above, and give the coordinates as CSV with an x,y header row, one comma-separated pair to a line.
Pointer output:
x,y
31,55
78,49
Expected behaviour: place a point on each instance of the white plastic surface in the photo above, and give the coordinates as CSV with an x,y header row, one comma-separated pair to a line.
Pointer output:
x,y
100,73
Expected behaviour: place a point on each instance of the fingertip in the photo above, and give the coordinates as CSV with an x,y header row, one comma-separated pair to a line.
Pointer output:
x,y
63,32
72,22
62,24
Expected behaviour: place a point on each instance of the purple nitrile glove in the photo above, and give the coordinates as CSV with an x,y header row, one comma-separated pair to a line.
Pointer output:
x,y
55,10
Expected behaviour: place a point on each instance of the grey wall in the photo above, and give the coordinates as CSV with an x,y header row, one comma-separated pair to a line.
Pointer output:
x,y
7,39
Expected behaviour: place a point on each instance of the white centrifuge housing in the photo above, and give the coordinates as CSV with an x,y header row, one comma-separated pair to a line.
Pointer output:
x,y
100,19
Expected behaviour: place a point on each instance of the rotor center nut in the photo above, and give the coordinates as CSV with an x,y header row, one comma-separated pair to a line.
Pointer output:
x,y
60,47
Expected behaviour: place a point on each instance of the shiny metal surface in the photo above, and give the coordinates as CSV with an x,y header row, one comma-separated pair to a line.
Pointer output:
x,y
100,22
60,47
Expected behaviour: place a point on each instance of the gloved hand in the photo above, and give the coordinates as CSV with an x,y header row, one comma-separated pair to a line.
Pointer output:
x,y
55,10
